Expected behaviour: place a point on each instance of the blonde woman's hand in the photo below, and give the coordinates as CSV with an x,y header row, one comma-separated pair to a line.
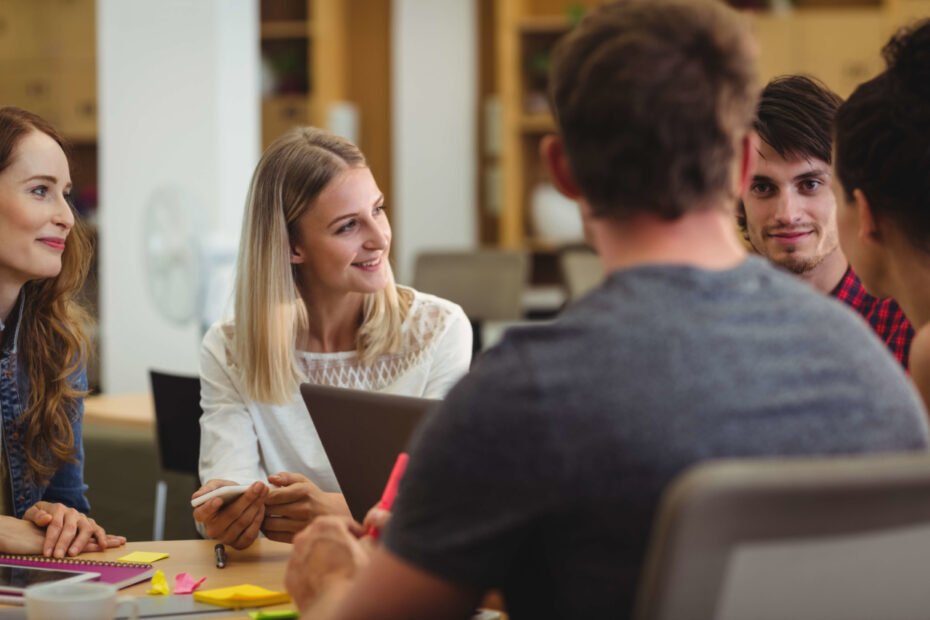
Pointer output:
x,y
68,531
294,503
237,523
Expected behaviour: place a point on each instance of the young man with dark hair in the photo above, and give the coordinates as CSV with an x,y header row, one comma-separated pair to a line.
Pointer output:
x,y
788,212
540,473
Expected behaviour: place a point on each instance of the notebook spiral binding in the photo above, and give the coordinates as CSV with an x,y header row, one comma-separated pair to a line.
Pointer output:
x,y
77,561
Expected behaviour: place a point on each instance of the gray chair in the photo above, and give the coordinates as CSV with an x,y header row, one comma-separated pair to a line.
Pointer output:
x,y
581,270
488,284
826,539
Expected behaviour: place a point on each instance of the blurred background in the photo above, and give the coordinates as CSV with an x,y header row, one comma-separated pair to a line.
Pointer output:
x,y
168,104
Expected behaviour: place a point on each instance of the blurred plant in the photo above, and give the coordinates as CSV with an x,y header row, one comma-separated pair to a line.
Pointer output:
x,y
287,61
575,12
537,69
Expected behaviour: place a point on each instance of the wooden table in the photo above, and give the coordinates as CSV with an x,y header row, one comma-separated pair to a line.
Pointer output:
x,y
136,411
262,564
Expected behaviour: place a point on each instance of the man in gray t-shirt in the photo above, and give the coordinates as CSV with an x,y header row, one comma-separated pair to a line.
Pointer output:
x,y
540,473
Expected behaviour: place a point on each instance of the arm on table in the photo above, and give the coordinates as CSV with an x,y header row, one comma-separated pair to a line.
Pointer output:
x,y
62,510
228,450
333,575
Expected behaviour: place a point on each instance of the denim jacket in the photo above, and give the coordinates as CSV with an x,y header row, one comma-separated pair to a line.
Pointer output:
x,y
67,484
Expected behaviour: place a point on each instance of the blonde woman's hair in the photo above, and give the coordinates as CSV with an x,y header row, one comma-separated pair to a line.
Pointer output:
x,y
269,311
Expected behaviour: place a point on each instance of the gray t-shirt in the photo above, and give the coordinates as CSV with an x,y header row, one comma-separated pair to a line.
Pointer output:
x,y
541,472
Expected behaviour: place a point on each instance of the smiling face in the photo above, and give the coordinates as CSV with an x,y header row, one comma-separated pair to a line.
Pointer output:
x,y
35,216
791,211
341,243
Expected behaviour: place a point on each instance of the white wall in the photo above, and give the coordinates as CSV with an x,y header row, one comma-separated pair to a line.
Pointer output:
x,y
434,97
178,108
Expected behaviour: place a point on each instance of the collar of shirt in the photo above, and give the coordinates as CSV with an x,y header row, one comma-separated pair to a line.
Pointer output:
x,y
13,321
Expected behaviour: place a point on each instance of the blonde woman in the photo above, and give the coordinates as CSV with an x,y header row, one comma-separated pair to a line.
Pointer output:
x,y
315,302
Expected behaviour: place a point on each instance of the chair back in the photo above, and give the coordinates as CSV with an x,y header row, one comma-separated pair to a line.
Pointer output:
x,y
581,270
488,284
177,420
815,539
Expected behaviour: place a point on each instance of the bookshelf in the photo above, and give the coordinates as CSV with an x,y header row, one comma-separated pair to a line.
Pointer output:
x,y
837,41
320,53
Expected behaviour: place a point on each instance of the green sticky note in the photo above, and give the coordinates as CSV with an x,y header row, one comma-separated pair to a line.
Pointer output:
x,y
283,614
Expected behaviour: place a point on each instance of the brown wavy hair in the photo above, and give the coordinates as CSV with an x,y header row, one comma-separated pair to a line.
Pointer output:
x,y
53,322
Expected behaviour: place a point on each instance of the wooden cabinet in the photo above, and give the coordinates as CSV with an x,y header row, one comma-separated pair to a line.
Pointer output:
x,y
281,113
909,10
47,60
839,46
838,42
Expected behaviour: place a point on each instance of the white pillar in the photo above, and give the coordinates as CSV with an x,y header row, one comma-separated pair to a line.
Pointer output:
x,y
435,58
178,115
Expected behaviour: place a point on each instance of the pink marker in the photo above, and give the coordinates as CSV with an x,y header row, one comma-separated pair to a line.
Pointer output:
x,y
390,489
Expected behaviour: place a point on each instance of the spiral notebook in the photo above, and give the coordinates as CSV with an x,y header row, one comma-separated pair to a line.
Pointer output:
x,y
120,574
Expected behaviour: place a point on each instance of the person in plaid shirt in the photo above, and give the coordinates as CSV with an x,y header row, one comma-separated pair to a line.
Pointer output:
x,y
788,212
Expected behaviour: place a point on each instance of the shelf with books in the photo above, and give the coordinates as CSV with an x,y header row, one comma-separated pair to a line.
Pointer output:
x,y
837,41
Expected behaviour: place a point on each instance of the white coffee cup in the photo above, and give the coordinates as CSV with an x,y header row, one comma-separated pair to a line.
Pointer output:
x,y
76,601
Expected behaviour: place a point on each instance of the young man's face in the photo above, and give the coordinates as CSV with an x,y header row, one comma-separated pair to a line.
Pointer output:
x,y
790,210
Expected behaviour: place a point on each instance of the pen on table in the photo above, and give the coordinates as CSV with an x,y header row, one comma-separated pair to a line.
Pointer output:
x,y
390,489
220,551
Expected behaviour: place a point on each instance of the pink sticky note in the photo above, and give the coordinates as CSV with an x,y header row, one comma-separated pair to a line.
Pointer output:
x,y
185,584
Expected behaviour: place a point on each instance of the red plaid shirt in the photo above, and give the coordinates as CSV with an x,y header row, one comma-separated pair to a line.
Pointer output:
x,y
884,315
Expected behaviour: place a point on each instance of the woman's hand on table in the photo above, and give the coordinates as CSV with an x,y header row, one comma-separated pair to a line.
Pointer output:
x,y
294,503
68,531
237,523
325,552
19,536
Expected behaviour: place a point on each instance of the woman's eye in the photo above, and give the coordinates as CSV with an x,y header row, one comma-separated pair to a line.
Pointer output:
x,y
41,191
347,226
379,210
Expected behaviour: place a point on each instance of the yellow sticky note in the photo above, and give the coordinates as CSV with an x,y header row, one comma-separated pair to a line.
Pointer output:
x,y
159,584
143,557
241,596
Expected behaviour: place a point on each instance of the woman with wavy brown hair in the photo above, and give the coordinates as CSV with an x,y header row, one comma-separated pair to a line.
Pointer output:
x,y
45,255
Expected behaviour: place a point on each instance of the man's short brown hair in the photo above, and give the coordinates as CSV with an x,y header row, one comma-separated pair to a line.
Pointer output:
x,y
651,97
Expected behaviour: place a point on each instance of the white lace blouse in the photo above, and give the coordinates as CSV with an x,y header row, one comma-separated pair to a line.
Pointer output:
x,y
244,441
